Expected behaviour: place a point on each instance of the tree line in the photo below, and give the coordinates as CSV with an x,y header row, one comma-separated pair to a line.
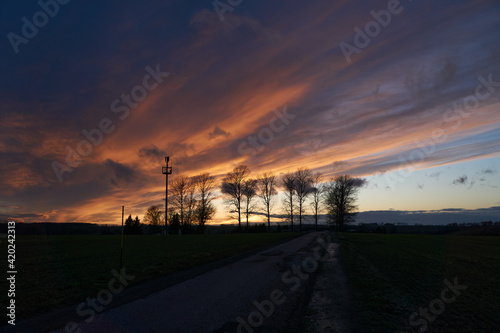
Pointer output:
x,y
191,205
304,193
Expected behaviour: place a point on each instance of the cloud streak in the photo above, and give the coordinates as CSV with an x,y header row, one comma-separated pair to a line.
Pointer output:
x,y
226,78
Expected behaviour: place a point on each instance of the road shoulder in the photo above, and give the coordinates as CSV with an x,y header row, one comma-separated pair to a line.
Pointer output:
x,y
332,307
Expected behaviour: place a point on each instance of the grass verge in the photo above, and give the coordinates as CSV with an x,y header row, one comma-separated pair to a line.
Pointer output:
x,y
393,276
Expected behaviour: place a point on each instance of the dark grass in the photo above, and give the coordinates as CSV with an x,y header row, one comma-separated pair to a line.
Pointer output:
x,y
59,271
392,276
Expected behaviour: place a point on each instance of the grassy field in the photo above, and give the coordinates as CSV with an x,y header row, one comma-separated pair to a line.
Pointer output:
x,y
57,271
393,276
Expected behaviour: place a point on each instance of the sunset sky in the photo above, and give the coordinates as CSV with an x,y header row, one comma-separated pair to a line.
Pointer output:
x,y
412,106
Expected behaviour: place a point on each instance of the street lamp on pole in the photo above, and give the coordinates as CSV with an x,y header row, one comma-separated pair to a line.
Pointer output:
x,y
166,170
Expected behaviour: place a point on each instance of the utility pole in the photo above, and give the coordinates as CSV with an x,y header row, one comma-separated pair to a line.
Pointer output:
x,y
121,250
166,170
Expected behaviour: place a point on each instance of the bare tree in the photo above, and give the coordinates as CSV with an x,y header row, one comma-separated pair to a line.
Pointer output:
x,y
232,185
303,188
341,195
190,202
173,227
266,184
154,217
318,190
288,183
178,194
205,209
249,192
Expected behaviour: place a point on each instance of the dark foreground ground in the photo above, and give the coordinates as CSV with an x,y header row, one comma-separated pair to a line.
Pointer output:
x,y
417,283
265,292
316,283
59,271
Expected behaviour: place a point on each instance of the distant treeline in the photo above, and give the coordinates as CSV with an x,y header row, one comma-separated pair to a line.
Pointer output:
x,y
474,229
56,228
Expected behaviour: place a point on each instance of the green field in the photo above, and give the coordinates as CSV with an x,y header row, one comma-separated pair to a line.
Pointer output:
x,y
58,271
392,276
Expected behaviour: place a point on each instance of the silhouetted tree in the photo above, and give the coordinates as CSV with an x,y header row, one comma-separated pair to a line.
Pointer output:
x,y
341,195
266,184
190,204
232,185
136,226
154,217
288,183
132,227
205,210
303,188
318,189
170,215
175,223
179,196
249,192
127,229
